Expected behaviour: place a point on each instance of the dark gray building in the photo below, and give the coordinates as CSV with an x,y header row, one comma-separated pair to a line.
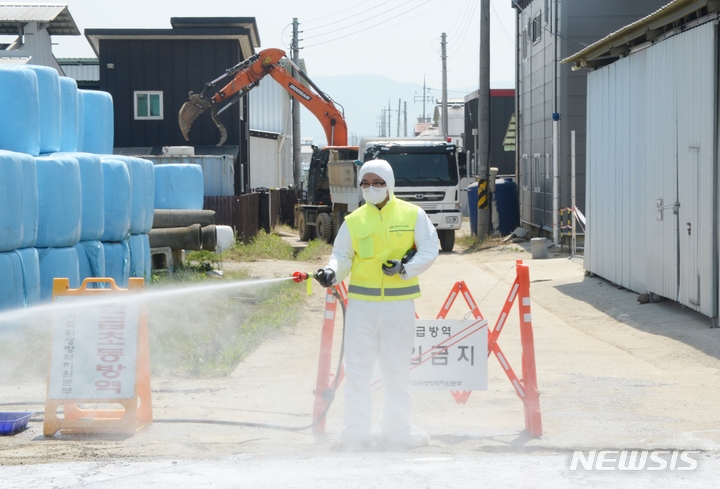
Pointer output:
x,y
548,31
149,73
502,107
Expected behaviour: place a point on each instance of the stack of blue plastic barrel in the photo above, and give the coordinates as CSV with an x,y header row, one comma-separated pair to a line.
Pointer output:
x,y
68,207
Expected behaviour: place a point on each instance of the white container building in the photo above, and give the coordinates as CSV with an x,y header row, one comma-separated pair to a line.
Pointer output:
x,y
652,155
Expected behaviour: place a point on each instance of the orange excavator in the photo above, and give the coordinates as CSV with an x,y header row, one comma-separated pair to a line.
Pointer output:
x,y
245,76
333,167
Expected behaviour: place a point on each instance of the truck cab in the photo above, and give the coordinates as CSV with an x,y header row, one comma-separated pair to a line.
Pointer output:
x,y
428,175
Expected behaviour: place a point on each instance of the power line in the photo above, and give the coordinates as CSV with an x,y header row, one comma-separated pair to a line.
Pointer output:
x,y
345,18
502,25
373,26
468,21
462,17
368,19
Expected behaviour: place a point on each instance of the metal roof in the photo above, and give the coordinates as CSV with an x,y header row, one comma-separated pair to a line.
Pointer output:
x,y
14,60
666,21
240,34
81,69
57,16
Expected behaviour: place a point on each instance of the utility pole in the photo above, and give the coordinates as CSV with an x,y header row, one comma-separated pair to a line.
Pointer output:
x,y
444,115
484,122
389,120
297,150
424,99
405,115
399,112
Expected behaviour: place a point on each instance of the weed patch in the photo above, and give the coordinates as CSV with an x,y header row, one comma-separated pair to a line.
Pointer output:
x,y
316,250
264,246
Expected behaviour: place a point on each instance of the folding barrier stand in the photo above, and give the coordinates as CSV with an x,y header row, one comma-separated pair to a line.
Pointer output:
x,y
460,288
526,387
322,384
99,355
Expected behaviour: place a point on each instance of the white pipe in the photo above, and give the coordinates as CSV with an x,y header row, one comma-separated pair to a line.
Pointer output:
x,y
556,186
572,192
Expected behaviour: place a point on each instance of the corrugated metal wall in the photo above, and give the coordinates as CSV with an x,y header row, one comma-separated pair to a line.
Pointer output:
x,y
82,72
651,138
270,165
270,159
270,107
218,170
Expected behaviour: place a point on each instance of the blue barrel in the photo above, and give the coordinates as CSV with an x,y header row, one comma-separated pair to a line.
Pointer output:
x,y
30,262
117,262
20,114
57,263
473,207
506,199
12,294
179,186
50,108
69,114
91,261
12,215
98,122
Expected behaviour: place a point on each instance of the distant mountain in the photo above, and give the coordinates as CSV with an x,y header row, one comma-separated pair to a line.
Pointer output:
x,y
364,97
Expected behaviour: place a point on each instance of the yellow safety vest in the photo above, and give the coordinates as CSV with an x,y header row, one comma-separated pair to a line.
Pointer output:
x,y
378,236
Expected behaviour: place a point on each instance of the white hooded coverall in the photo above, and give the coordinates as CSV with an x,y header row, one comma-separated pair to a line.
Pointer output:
x,y
382,330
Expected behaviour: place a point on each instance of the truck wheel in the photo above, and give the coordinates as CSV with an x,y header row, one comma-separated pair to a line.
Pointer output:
x,y
447,239
324,227
304,231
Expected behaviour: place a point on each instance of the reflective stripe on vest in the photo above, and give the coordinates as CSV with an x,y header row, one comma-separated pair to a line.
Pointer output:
x,y
378,236
377,292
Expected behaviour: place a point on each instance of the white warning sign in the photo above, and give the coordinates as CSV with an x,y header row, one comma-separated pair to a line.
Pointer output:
x,y
449,355
94,351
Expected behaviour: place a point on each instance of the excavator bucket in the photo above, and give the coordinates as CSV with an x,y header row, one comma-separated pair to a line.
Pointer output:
x,y
196,105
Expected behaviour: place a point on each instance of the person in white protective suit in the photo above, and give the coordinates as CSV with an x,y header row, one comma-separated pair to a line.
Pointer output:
x,y
380,323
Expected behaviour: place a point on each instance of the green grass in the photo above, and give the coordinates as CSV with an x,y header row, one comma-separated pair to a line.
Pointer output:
x,y
263,246
209,333
471,243
316,250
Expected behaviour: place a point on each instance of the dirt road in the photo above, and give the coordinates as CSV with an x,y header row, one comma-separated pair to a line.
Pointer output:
x,y
613,374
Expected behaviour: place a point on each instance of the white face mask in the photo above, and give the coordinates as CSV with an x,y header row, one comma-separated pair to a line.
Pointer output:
x,y
374,195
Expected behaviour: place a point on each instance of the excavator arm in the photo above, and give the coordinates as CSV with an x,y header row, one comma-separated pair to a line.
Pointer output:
x,y
244,77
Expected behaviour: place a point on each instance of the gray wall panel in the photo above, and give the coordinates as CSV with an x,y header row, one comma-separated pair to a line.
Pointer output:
x,y
651,128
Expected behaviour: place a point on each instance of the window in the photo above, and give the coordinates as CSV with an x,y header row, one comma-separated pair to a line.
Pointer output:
x,y
524,44
148,105
536,172
547,11
548,170
536,28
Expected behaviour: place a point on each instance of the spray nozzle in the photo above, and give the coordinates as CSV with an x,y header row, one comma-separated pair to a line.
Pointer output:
x,y
300,276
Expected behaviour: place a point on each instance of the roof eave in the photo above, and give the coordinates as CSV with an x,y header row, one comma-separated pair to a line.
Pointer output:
x,y
242,35
646,27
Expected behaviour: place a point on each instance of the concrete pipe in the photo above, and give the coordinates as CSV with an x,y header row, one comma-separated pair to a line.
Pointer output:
x,y
209,238
177,218
178,238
